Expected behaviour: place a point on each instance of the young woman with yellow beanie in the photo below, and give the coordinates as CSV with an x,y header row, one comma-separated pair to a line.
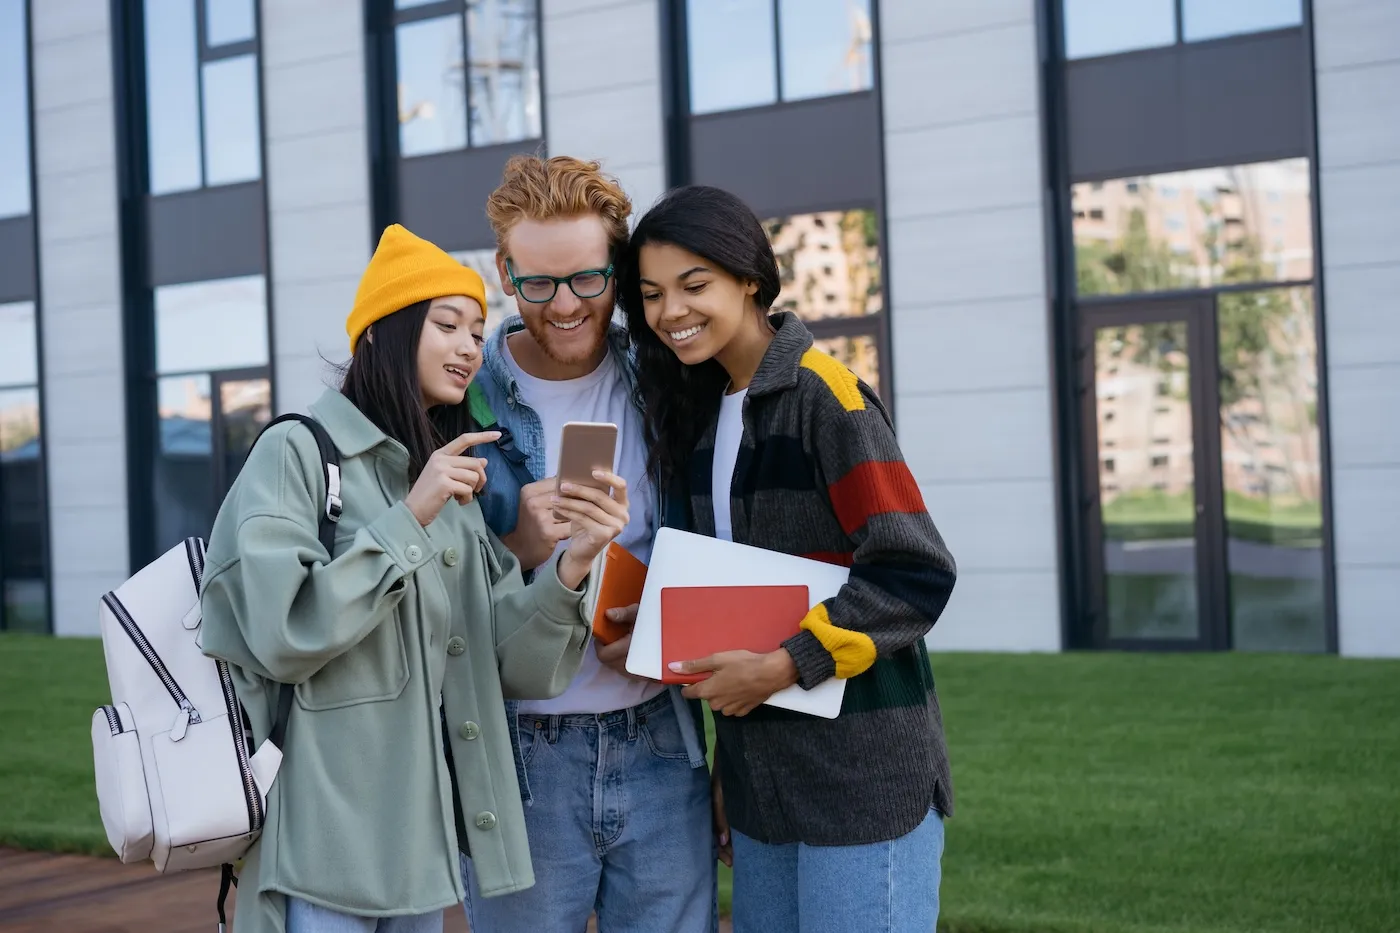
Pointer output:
x,y
404,642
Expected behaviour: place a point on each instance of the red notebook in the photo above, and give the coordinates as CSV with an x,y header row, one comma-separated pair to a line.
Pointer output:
x,y
698,621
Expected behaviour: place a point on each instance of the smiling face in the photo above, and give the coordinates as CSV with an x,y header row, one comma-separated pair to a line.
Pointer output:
x,y
694,306
449,349
568,333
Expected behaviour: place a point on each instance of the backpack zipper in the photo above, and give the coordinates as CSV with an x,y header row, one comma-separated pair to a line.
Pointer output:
x,y
138,638
114,722
240,747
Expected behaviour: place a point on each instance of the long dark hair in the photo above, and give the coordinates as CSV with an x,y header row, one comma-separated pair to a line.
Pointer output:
x,y
680,401
381,380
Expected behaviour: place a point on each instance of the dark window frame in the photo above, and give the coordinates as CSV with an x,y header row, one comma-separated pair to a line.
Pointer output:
x,y
389,167
1075,471
444,8
678,130
141,273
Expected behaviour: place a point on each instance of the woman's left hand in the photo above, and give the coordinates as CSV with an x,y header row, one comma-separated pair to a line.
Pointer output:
x,y
739,681
596,518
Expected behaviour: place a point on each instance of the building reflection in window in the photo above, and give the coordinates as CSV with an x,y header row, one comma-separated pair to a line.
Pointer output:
x,y
477,66
829,263
23,506
860,354
1271,465
1194,229
503,42
184,468
499,305
214,394
1147,480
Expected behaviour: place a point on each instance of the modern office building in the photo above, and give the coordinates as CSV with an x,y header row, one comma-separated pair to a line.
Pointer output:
x,y
1125,270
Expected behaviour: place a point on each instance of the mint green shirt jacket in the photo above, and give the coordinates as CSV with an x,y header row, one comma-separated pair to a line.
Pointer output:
x,y
403,620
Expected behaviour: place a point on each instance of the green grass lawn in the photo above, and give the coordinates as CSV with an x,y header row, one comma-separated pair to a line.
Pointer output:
x,y
1133,794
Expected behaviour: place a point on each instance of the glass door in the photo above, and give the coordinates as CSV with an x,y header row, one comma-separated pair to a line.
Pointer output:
x,y
1150,493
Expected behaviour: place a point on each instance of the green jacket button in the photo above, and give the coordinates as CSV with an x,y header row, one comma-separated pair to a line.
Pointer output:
x,y
449,557
413,553
469,731
455,646
486,820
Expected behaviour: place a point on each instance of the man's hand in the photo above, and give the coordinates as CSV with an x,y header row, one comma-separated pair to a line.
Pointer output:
x,y
536,533
615,655
739,680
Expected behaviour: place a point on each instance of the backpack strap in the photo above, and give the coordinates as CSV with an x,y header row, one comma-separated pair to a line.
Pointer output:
x,y
330,514
325,531
485,418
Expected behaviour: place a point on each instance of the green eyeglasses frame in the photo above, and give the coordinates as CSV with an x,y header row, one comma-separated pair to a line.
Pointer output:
x,y
555,281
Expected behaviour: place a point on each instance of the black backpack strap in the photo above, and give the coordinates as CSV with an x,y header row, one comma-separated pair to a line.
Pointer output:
x,y
330,514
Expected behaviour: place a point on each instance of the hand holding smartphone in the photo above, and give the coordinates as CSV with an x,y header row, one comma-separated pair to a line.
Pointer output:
x,y
585,446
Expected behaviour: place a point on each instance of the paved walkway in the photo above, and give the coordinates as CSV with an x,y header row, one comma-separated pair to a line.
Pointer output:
x,y
42,893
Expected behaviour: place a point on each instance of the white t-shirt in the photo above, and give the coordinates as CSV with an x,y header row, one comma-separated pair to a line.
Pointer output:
x,y
600,396
728,436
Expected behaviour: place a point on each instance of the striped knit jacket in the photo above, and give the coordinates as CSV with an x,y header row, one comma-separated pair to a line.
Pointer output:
x,y
820,474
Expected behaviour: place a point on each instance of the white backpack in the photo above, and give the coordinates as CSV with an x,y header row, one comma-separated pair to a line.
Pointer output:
x,y
176,781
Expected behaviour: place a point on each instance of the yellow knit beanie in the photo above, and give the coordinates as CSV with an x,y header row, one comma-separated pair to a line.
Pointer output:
x,y
404,270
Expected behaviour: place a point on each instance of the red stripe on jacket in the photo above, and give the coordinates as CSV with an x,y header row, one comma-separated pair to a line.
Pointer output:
x,y
874,488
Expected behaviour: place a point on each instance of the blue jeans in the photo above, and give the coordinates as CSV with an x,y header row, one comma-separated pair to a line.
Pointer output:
x,y
305,917
884,887
619,823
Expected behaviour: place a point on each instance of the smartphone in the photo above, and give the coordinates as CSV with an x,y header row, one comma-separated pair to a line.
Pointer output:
x,y
585,446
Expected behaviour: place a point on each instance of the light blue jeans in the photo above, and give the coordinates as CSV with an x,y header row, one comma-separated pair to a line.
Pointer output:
x,y
619,823
884,887
305,917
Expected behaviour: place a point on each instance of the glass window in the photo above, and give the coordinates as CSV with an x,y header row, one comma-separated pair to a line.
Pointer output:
x,y
1148,509
245,405
23,554
1271,464
14,110
859,353
732,54
1105,27
172,96
829,263
19,346
499,306
1211,19
232,141
432,99
189,92
825,47
184,477
228,21
505,71
1209,232
205,326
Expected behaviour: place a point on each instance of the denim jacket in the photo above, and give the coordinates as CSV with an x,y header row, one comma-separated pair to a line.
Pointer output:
x,y
518,458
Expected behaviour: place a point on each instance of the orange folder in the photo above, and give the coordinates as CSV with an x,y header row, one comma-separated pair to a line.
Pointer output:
x,y
620,580
698,621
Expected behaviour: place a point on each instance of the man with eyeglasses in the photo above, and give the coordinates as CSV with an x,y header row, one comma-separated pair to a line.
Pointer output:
x,y
613,770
